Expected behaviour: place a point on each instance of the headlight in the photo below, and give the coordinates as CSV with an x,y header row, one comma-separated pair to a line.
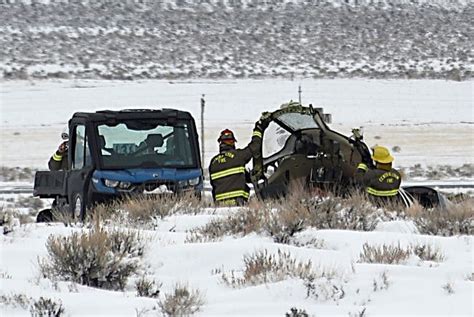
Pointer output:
x,y
194,181
124,185
189,182
111,183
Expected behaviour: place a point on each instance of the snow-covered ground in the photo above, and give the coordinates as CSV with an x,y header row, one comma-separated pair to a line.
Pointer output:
x,y
412,288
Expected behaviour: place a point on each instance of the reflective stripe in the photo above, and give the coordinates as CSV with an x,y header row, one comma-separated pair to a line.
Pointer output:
x,y
257,133
233,194
362,166
57,157
227,172
383,193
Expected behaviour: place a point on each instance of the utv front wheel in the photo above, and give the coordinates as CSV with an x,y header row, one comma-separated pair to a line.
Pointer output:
x,y
45,215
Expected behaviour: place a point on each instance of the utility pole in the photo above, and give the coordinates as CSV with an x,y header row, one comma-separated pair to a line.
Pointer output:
x,y
203,104
299,93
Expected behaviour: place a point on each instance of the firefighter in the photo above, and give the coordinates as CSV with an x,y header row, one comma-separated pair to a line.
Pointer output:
x,y
382,182
227,169
59,160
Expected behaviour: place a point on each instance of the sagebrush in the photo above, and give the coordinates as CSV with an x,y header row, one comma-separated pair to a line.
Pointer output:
x,y
145,211
283,218
147,288
263,267
46,307
396,254
182,301
456,219
41,307
98,258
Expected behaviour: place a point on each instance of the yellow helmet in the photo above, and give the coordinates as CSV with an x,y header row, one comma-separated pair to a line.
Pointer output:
x,y
381,155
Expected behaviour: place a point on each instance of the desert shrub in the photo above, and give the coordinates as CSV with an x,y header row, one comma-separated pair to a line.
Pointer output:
x,y
387,254
281,219
242,222
31,203
11,217
145,211
395,254
323,288
46,307
353,213
456,220
189,203
448,288
262,267
289,215
9,174
67,218
427,252
15,300
38,308
147,288
381,283
5,275
97,258
296,312
182,301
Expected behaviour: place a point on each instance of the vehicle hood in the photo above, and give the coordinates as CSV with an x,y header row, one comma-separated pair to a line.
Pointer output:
x,y
139,175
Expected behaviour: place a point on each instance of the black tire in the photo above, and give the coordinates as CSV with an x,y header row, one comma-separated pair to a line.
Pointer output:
x,y
45,215
78,207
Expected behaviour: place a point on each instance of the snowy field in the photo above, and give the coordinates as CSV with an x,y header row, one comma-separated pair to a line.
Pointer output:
x,y
431,121
411,288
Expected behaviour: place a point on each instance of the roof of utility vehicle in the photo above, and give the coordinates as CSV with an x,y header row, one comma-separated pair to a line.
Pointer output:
x,y
104,115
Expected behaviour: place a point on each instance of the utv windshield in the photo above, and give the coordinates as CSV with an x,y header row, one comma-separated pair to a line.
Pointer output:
x,y
277,134
147,144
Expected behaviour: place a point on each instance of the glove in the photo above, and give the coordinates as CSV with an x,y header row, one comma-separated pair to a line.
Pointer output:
x,y
62,148
264,121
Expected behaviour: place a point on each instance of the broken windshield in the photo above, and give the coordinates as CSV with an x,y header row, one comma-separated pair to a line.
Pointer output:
x,y
298,121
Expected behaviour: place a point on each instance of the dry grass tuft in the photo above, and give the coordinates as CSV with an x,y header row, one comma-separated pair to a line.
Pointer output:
x,y
145,211
448,288
46,307
296,312
353,213
98,258
10,218
427,252
15,300
181,302
395,254
38,308
242,222
381,283
147,288
458,219
262,267
281,219
386,254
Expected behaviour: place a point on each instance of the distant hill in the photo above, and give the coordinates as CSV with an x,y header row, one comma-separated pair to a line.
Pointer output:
x,y
236,39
